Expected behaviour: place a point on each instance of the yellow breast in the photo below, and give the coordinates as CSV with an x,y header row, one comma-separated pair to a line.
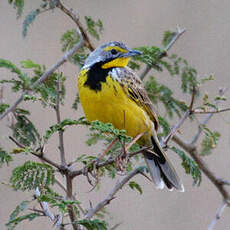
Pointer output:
x,y
112,105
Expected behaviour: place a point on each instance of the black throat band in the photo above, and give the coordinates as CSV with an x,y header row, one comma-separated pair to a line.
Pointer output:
x,y
96,75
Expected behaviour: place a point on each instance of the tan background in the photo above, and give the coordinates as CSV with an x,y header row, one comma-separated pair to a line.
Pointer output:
x,y
205,45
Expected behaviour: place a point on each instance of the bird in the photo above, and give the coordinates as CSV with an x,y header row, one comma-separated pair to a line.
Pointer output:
x,y
111,92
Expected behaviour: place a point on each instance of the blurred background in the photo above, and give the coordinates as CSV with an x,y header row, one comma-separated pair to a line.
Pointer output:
x,y
205,45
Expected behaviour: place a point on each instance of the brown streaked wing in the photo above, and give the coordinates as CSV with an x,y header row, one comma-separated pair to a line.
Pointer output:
x,y
135,90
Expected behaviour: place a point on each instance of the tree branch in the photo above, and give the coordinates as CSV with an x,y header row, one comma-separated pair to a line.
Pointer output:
x,y
198,111
60,132
111,194
207,118
192,150
56,219
39,155
69,193
107,162
73,16
218,215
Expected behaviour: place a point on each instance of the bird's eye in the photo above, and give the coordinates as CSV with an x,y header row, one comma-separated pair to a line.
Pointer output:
x,y
113,51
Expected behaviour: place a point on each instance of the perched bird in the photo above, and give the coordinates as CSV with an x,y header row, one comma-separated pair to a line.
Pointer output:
x,y
112,93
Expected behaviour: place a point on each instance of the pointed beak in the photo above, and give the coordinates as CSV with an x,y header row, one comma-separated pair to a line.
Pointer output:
x,y
131,53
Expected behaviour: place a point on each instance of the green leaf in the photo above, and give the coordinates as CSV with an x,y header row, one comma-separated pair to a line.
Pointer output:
x,y
220,98
108,129
10,66
5,158
95,28
19,208
159,93
76,102
209,142
94,224
151,56
18,5
61,126
30,18
165,125
168,35
24,130
13,223
206,78
31,175
68,40
133,185
189,165
29,64
3,107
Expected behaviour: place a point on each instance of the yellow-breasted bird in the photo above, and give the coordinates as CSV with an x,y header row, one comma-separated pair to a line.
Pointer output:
x,y
112,93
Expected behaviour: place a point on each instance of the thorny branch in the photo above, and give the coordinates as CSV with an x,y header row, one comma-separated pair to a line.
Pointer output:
x,y
191,148
60,132
111,194
181,121
107,162
56,219
73,16
218,215
198,111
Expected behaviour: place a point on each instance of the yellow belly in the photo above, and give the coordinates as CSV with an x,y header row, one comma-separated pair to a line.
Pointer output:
x,y
111,105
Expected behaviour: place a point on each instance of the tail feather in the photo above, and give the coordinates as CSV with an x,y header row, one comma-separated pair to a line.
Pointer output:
x,y
161,170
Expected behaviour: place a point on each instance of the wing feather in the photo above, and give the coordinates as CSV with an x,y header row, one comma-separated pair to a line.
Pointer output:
x,y
134,88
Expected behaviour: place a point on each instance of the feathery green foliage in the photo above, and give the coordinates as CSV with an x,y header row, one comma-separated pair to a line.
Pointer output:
x,y
189,165
68,40
15,219
31,175
5,158
95,28
13,223
167,37
133,185
24,130
209,142
61,126
30,18
94,224
160,93
3,107
165,126
151,56
18,5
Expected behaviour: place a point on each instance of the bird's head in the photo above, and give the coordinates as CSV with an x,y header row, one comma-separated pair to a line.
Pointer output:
x,y
111,54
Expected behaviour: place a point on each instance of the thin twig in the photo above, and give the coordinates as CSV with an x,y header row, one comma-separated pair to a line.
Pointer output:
x,y
182,120
198,111
193,98
39,155
218,215
111,194
170,44
224,182
60,132
207,118
107,162
192,150
175,128
44,77
69,193
75,18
